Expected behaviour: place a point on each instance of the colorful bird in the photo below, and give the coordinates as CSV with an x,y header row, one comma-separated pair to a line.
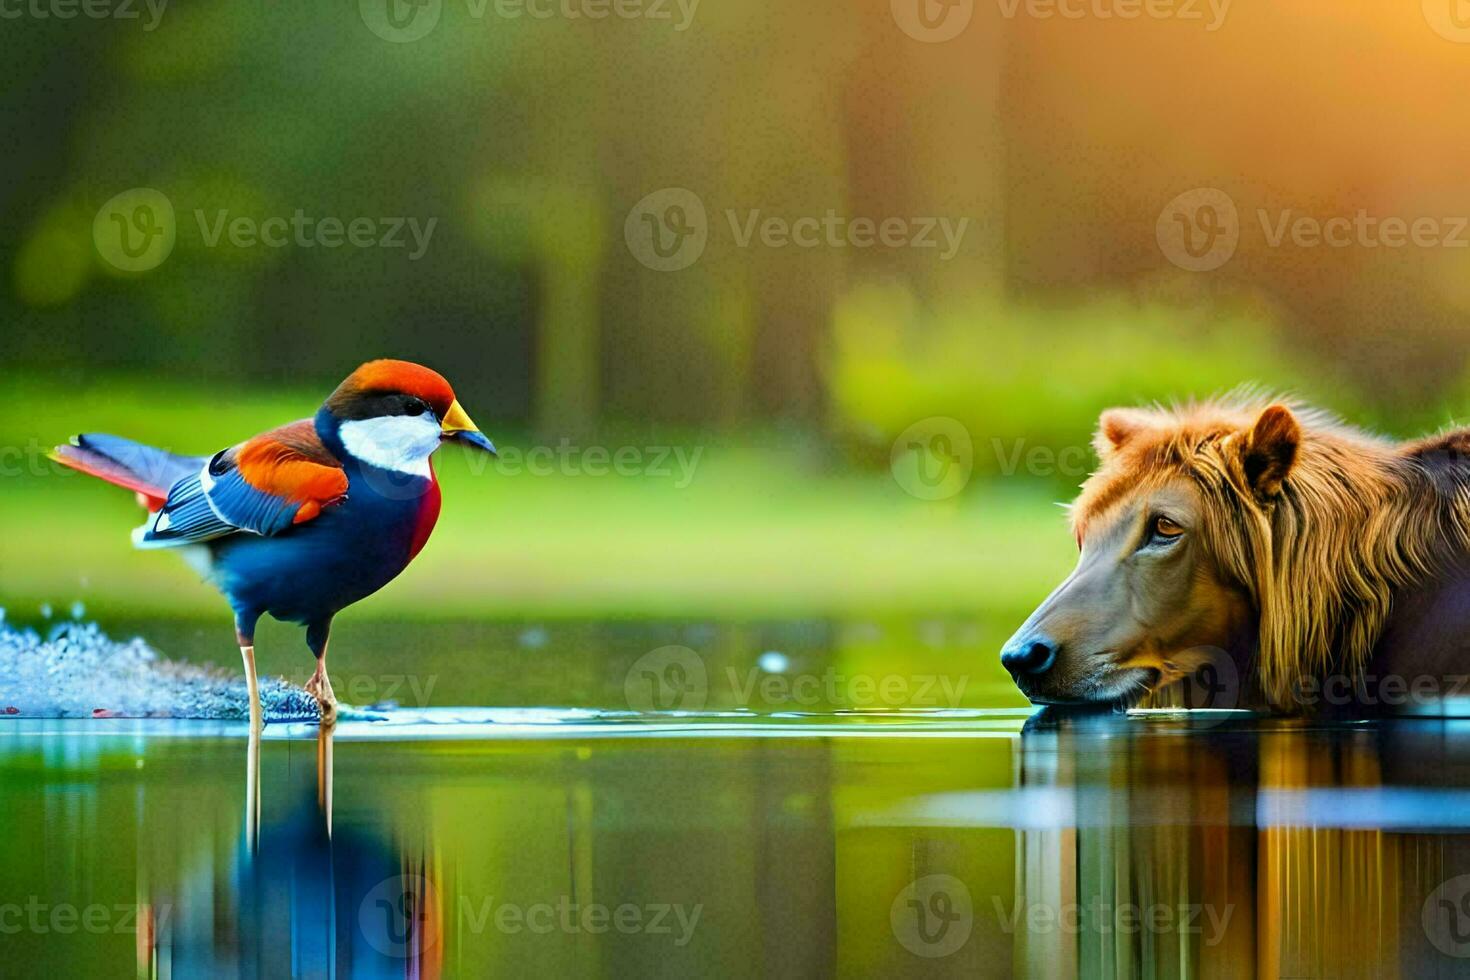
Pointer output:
x,y
304,520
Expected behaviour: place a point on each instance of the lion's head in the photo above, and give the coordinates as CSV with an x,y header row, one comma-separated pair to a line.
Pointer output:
x,y
1255,530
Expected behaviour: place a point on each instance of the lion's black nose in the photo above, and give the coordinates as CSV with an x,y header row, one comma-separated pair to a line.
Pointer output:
x,y
1032,654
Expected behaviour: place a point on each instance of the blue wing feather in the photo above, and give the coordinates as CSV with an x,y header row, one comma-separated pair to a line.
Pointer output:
x,y
217,500
186,517
249,508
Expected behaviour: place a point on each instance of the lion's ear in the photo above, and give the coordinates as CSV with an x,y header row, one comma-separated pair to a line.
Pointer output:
x,y
1117,427
1269,450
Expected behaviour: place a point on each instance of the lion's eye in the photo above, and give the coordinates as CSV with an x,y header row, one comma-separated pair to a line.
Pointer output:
x,y
1164,528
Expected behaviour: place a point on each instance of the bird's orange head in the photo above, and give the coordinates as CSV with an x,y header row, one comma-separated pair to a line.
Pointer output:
x,y
388,388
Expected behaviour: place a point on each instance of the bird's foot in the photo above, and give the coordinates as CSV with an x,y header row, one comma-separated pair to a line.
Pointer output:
x,y
320,688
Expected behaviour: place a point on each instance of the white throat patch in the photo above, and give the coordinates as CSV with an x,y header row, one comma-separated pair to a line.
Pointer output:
x,y
401,443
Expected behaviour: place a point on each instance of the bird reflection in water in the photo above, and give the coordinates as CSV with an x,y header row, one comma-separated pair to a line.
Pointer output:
x,y
300,899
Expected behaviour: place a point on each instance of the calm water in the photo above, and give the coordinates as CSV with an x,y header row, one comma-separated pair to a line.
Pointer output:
x,y
475,844
779,838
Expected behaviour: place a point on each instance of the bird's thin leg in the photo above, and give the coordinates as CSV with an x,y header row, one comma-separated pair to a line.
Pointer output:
x,y
245,637
252,684
324,774
252,791
320,685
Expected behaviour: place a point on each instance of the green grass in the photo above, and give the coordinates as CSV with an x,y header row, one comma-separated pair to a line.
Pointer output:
x,y
755,532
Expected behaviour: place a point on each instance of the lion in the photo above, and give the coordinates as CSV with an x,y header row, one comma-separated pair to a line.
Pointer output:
x,y
1320,561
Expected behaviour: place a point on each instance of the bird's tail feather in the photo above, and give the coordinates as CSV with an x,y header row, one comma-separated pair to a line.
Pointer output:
x,y
147,471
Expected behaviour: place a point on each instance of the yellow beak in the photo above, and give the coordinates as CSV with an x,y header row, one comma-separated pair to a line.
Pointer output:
x,y
457,425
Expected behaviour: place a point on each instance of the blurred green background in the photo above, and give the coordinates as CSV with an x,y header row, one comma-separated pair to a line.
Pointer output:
x,y
786,374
